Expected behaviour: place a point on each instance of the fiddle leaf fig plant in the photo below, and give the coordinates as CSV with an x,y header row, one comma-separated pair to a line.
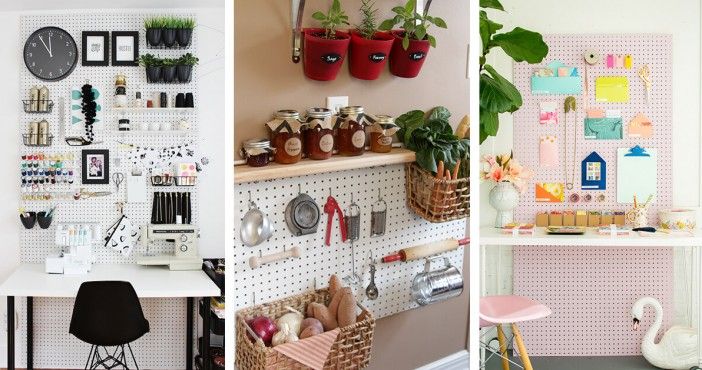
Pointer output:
x,y
497,94
414,24
334,18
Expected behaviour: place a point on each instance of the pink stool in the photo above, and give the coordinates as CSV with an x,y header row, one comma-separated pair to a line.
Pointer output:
x,y
510,309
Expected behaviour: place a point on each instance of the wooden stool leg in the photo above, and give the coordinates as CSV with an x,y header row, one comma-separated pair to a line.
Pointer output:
x,y
522,348
503,346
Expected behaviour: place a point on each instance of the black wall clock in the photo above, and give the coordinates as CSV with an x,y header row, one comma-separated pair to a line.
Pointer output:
x,y
50,54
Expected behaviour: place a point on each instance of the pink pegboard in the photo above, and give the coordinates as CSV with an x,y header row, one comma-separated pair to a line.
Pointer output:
x,y
591,291
654,50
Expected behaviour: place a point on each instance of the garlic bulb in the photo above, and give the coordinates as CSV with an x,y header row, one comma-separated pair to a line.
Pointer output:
x,y
293,319
284,335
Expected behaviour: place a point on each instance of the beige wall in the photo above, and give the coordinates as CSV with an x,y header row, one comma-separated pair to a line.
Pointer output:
x,y
266,80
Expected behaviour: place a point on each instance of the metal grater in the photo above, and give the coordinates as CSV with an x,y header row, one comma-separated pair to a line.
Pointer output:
x,y
379,212
353,221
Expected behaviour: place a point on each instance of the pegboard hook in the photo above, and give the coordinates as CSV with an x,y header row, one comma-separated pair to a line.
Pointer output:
x,y
299,189
297,9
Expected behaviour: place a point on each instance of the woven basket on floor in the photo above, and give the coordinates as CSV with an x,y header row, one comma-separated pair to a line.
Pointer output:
x,y
351,350
436,200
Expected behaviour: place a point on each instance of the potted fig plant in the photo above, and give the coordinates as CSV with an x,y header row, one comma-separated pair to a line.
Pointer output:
x,y
153,31
185,32
153,67
168,69
369,47
325,48
412,42
168,34
185,67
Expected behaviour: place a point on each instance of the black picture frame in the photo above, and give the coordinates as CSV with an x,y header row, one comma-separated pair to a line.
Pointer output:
x,y
134,61
98,171
105,48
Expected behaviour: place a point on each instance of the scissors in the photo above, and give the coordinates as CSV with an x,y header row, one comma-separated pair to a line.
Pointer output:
x,y
118,178
645,75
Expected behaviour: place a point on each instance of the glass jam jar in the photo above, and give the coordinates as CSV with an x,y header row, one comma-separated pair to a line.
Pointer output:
x,y
318,134
286,136
350,131
381,133
257,152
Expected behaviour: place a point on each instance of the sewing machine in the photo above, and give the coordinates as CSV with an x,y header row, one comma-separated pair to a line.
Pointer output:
x,y
185,240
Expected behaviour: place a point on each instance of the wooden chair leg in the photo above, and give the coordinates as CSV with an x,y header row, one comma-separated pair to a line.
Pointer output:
x,y
503,346
522,348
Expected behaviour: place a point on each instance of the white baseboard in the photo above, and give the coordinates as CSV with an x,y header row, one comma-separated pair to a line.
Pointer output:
x,y
456,361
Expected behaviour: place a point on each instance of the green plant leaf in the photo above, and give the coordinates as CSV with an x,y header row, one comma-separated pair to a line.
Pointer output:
x,y
319,16
489,124
387,25
497,94
491,4
487,29
398,10
440,113
420,32
426,160
439,22
409,6
408,122
522,45
405,41
432,40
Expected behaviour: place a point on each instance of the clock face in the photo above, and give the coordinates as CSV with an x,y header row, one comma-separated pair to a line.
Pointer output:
x,y
50,53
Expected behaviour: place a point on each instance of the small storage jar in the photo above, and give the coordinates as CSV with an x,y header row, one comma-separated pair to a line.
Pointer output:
x,y
349,128
318,134
257,152
286,136
381,133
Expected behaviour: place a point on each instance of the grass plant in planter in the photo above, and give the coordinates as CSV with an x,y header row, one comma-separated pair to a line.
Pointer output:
x,y
412,42
185,32
168,71
153,66
185,67
324,49
153,31
369,47
170,29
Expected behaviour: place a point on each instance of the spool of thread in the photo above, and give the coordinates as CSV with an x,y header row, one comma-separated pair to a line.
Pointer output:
x,y
33,132
33,99
163,100
43,133
43,99
591,57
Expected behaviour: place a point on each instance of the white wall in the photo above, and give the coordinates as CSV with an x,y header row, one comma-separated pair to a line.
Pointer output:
x,y
211,125
679,18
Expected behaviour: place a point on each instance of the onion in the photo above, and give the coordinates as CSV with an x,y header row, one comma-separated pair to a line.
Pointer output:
x,y
264,328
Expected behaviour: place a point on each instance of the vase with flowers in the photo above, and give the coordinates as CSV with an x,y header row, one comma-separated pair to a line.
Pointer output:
x,y
510,180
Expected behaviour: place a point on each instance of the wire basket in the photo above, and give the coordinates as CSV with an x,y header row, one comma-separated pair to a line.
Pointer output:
x,y
436,200
185,180
38,106
37,140
160,180
351,350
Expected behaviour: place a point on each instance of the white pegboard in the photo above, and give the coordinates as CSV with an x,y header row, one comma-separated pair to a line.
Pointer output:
x,y
652,49
292,276
164,347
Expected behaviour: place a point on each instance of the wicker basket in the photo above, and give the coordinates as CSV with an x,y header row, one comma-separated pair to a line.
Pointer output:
x,y
436,200
351,350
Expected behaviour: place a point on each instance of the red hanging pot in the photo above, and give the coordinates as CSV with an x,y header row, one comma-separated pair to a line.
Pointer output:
x,y
407,63
367,58
322,58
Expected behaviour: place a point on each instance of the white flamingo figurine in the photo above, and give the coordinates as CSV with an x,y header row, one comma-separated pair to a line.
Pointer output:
x,y
677,349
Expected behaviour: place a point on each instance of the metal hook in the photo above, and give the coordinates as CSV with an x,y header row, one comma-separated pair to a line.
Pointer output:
x,y
299,189
380,196
330,192
254,297
260,253
296,13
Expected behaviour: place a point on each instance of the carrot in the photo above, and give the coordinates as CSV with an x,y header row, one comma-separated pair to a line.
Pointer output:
x,y
440,170
455,169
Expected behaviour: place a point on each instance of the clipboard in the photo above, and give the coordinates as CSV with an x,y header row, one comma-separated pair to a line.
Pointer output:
x,y
637,173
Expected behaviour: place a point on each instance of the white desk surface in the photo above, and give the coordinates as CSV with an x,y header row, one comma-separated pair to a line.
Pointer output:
x,y
493,236
30,280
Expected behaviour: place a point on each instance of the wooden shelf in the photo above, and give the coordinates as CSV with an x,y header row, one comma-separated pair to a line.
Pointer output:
x,y
151,110
244,173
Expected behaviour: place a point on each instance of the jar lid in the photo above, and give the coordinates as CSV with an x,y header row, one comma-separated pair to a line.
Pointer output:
x,y
351,109
384,119
257,143
287,114
318,113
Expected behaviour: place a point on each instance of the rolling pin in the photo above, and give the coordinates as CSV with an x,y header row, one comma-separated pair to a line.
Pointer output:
x,y
425,250
294,252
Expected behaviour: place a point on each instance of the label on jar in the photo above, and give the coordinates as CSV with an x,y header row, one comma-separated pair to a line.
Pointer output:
x,y
359,139
326,143
384,140
293,146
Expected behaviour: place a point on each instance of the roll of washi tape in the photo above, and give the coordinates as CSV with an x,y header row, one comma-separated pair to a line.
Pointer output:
x,y
610,61
591,57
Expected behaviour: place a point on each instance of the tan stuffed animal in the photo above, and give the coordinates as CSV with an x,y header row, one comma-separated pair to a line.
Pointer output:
x,y
342,307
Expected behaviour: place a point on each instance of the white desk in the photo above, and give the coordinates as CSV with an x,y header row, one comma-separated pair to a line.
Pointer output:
x,y
30,280
490,236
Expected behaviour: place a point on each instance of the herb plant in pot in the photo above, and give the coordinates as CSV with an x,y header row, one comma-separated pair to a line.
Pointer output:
x,y
369,48
168,71
509,178
152,66
412,42
324,49
185,32
185,67
153,31
170,29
